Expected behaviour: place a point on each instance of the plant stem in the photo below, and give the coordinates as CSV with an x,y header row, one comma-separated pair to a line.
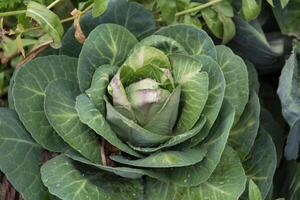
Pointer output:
x,y
53,4
197,8
194,9
11,13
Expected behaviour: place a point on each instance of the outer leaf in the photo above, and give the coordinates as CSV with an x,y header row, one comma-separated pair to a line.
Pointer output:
x,y
70,181
250,43
195,41
166,159
91,116
29,92
107,44
288,90
243,134
131,15
168,9
226,183
254,193
200,172
261,163
213,22
292,144
62,115
20,157
236,78
228,29
48,20
99,7
287,18
194,90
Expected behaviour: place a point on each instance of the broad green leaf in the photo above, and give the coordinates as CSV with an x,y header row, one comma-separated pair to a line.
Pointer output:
x,y
126,172
166,159
243,134
194,90
91,116
99,85
168,45
291,150
288,90
70,180
99,7
275,129
200,172
216,91
236,78
254,193
251,9
293,189
251,43
213,22
106,44
29,94
130,131
62,115
164,120
224,8
177,139
226,183
131,15
261,162
288,17
252,77
194,40
48,20
20,157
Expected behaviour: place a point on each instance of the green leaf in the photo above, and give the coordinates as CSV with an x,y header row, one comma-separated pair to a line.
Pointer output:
x,y
164,120
91,116
106,44
293,189
146,62
291,150
226,183
261,163
194,90
177,139
126,172
166,159
29,94
48,20
168,9
194,40
70,180
287,17
254,193
131,15
130,131
288,90
224,8
251,43
163,43
236,78
99,7
216,91
243,134
228,29
215,145
251,9
62,115
99,85
213,22
20,157
252,77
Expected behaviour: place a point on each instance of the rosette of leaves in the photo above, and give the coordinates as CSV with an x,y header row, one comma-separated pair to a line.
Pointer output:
x,y
167,116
